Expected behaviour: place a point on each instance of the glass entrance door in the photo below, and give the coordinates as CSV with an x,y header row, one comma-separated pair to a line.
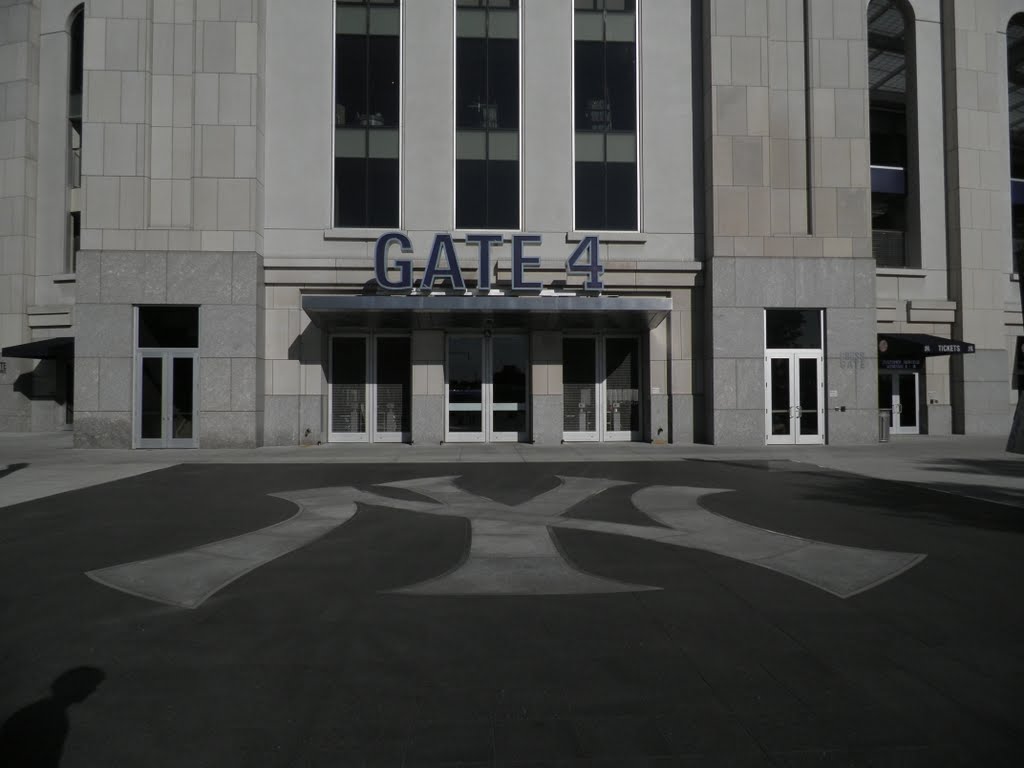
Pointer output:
x,y
601,388
794,398
166,391
897,392
370,389
487,392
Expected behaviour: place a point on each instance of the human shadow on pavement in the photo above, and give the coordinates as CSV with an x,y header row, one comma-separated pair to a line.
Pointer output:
x,y
11,468
34,736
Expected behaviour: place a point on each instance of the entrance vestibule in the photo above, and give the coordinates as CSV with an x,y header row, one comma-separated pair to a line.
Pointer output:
x,y
601,388
898,394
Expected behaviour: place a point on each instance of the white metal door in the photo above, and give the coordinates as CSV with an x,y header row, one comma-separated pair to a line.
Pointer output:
x,y
166,395
601,388
486,389
905,404
348,399
794,398
369,393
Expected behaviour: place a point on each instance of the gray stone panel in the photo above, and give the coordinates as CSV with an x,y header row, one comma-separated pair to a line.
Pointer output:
x,y
228,429
281,420
682,419
311,419
939,419
658,424
427,419
245,278
228,331
215,384
199,278
855,427
115,384
546,412
244,373
87,383
765,283
133,278
750,383
735,427
104,330
103,430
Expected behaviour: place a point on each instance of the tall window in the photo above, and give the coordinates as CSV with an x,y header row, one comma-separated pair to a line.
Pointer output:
x,y
75,66
1015,70
889,73
366,113
487,114
605,106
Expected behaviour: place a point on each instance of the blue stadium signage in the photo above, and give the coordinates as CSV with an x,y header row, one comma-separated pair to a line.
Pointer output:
x,y
395,273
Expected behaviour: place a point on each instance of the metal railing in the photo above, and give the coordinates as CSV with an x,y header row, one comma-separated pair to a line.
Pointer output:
x,y
889,247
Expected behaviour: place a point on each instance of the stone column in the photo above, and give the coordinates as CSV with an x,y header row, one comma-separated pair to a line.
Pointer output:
x,y
428,387
657,427
978,179
546,387
788,217
19,96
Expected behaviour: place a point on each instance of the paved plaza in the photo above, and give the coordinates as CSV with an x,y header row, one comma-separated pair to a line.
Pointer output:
x,y
628,605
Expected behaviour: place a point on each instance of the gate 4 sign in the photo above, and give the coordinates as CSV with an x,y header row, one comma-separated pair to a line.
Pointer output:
x,y
443,263
512,550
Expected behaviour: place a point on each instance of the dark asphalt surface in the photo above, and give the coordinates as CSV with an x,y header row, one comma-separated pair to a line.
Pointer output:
x,y
309,661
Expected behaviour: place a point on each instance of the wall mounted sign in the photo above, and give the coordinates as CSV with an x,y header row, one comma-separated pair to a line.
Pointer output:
x,y
443,266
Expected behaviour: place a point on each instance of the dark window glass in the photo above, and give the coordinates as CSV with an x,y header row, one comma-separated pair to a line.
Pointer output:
x,y
76,47
793,329
605,104
168,327
487,115
889,73
1015,72
152,397
366,114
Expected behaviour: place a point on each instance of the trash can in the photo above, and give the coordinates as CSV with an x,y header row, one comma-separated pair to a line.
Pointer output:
x,y
884,423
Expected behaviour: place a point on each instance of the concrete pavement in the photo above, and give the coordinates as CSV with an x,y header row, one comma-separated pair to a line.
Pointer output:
x,y
35,466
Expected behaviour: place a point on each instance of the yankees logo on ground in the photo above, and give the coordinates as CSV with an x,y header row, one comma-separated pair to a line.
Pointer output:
x,y
512,551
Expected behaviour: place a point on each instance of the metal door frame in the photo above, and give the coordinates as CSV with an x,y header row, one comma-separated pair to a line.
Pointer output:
x,y
896,404
793,356
601,433
371,433
167,356
487,434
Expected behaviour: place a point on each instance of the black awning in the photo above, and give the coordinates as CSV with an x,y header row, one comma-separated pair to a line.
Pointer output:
x,y
895,346
60,348
635,313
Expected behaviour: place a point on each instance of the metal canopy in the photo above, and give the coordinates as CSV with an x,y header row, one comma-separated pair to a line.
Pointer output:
x,y
60,348
385,312
919,345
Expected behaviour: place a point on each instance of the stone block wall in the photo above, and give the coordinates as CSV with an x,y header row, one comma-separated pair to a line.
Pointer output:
x,y
19,133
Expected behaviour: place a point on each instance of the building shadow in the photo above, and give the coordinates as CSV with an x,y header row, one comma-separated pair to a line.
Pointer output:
x,y
1002,467
11,468
34,736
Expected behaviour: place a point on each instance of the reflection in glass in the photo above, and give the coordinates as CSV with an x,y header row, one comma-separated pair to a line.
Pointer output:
x,y
366,113
394,385
182,414
348,385
908,400
487,116
780,397
152,397
793,329
622,385
465,384
605,106
808,375
510,357
579,385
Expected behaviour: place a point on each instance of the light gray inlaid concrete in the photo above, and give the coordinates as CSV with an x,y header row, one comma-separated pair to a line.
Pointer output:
x,y
512,551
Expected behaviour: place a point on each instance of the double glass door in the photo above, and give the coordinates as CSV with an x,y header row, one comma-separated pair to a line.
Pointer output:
x,y
487,397
166,394
601,388
795,402
897,392
370,389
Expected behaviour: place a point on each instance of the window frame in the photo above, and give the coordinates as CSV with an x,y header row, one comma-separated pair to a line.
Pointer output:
x,y
455,121
638,103
332,224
